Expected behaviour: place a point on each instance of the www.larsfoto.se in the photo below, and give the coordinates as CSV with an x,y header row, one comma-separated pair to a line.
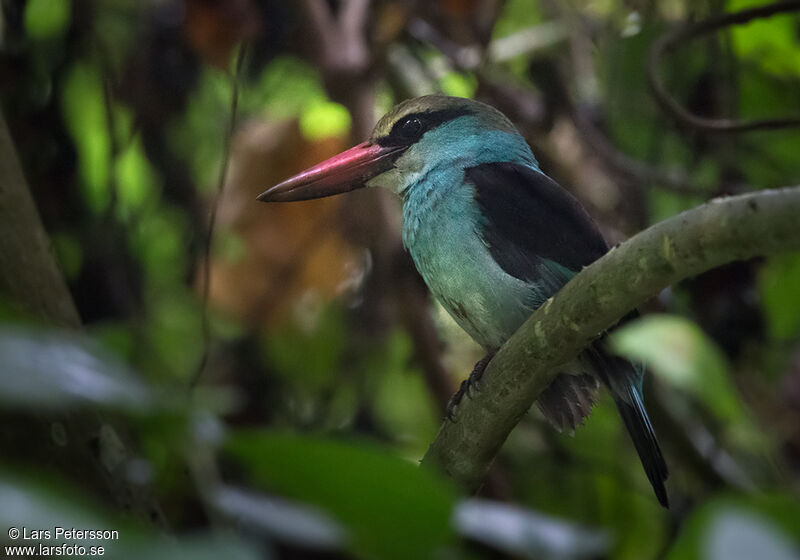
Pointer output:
x,y
63,549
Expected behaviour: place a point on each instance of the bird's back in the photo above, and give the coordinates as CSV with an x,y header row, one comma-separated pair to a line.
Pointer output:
x,y
493,242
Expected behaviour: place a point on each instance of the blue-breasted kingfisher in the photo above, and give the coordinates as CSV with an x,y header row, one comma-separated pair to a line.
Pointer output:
x,y
492,236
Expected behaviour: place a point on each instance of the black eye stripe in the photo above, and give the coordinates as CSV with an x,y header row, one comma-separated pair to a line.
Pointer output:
x,y
406,131
410,126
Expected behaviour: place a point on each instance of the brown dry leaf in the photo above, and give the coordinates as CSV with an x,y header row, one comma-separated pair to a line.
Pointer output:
x,y
291,249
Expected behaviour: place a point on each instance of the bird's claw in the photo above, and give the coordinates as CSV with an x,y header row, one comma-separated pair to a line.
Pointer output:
x,y
452,405
473,384
455,400
468,386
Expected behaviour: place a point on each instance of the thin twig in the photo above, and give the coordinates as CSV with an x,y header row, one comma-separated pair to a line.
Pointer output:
x,y
671,39
205,323
114,147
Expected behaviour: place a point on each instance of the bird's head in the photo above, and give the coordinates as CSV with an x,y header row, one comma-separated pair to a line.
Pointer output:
x,y
414,137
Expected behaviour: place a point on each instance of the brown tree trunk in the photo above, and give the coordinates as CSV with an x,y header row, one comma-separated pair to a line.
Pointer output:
x,y
84,447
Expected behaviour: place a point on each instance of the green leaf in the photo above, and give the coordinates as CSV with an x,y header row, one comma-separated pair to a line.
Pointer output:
x,y
324,119
677,350
46,19
54,369
741,528
770,43
681,354
742,535
779,281
136,179
391,507
515,16
287,88
459,84
84,111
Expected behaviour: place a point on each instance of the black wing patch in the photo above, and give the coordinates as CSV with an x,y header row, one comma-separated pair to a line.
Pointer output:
x,y
529,218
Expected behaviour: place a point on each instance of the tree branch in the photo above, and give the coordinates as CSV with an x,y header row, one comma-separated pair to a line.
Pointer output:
x,y
634,170
29,275
671,39
721,231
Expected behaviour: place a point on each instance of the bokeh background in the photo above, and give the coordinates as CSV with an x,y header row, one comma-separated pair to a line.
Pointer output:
x,y
259,381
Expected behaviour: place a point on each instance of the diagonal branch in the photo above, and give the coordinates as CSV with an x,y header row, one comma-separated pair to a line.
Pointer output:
x,y
718,232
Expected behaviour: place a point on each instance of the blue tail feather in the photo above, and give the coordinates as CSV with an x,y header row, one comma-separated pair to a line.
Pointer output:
x,y
624,380
644,439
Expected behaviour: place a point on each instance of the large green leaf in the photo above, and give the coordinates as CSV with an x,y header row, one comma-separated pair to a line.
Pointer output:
x,y
677,350
391,508
765,527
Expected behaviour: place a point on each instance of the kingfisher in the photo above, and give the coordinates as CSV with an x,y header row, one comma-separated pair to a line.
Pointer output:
x,y
493,237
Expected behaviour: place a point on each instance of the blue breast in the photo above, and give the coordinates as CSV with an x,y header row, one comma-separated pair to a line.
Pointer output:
x,y
441,230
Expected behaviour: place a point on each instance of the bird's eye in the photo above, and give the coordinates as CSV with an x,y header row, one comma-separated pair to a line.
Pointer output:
x,y
406,131
411,127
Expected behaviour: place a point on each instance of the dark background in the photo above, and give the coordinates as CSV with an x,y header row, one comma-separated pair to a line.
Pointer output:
x,y
321,365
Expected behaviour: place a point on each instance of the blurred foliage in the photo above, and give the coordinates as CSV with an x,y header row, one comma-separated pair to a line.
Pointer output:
x,y
316,400
44,370
676,349
742,527
46,19
354,482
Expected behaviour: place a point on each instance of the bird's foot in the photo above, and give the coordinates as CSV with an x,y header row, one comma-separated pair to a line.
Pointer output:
x,y
470,384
